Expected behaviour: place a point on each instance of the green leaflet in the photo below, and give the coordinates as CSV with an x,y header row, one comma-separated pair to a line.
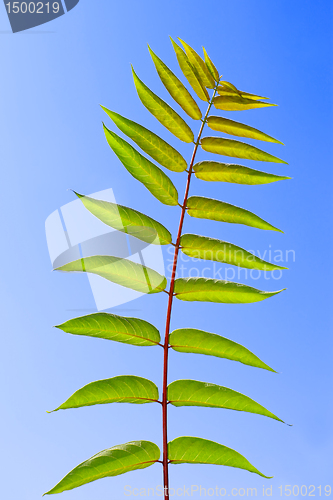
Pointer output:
x,y
121,271
149,142
163,112
211,290
111,327
230,86
175,88
207,208
190,340
228,172
193,450
237,149
195,393
111,462
202,247
127,220
237,103
123,389
142,169
210,65
227,91
202,70
238,129
190,72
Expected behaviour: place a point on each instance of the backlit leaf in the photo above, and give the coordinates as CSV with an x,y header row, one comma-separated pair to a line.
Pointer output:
x,y
207,208
236,149
211,290
201,247
193,450
210,65
128,221
121,271
111,462
152,177
228,172
195,393
190,72
230,86
150,143
238,129
237,103
175,88
163,112
190,340
123,389
227,91
111,327
202,70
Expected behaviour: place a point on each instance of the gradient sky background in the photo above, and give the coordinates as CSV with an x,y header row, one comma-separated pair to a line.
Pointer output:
x,y
53,80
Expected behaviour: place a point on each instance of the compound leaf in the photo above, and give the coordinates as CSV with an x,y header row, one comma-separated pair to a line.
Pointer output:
x,y
190,73
127,220
210,65
211,290
175,88
238,129
195,393
122,389
196,61
202,247
152,177
237,174
111,327
191,340
121,271
238,103
149,142
163,112
237,149
193,450
111,462
207,208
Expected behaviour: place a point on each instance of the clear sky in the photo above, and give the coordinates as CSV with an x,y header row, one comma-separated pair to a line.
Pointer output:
x,y
53,80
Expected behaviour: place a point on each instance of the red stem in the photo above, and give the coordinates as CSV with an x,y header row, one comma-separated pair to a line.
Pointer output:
x,y
168,318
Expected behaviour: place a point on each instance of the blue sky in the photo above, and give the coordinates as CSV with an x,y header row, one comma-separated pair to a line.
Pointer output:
x,y
54,78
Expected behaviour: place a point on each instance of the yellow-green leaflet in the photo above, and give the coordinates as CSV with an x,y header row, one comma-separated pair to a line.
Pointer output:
x,y
111,462
152,177
190,340
211,290
237,103
193,450
175,88
122,389
190,72
121,271
196,393
202,70
202,247
230,86
237,174
150,143
237,149
163,112
208,208
227,91
111,327
210,65
239,129
127,220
